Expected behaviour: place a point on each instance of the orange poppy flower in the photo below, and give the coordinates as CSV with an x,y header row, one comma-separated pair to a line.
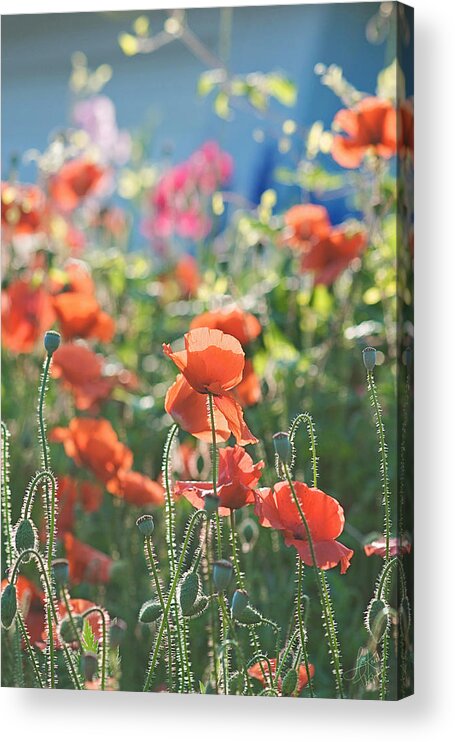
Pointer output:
x,y
189,410
306,224
24,210
187,275
75,277
248,392
81,371
75,181
396,546
332,255
31,602
86,563
213,362
276,508
406,128
70,492
237,478
90,496
137,489
233,321
371,126
27,314
257,671
80,315
93,444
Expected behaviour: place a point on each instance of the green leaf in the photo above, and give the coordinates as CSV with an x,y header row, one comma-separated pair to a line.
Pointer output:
x,y
282,89
89,642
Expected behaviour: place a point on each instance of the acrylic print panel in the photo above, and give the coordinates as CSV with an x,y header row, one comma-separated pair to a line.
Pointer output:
x,y
207,328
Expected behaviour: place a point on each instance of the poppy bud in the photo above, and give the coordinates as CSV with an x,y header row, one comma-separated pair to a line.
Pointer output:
x,y
117,630
51,341
189,588
249,616
25,536
222,574
150,611
376,619
89,662
146,525
66,630
200,604
283,447
369,358
289,683
9,605
211,503
239,603
61,570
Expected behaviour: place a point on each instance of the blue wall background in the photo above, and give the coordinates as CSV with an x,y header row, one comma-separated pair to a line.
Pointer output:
x,y
162,86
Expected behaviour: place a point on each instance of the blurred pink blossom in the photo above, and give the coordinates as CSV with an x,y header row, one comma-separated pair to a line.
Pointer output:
x,y
97,117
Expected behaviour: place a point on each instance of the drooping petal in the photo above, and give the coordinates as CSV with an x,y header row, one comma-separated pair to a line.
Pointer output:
x,y
233,413
189,410
328,553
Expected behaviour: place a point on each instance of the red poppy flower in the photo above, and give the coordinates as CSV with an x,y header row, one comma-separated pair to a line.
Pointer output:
x,y
81,371
396,546
26,315
93,444
233,321
306,224
90,496
75,181
371,126
86,563
137,489
248,392
237,478
24,210
276,508
258,670
406,128
332,255
189,410
213,362
70,492
187,275
31,602
80,315
75,277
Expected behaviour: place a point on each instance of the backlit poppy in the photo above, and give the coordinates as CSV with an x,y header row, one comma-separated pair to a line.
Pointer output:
x,y
306,224
75,180
81,371
187,275
332,255
276,508
94,444
136,488
258,670
237,478
87,564
371,127
24,210
213,362
27,313
248,392
189,410
396,546
233,321
80,315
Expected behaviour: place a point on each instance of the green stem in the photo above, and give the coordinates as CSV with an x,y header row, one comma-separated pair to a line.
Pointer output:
x,y
29,500
6,497
323,592
71,619
302,628
29,648
104,647
308,420
384,463
159,592
154,659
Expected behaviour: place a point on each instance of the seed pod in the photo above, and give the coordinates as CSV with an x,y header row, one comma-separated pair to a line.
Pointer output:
x,y
117,630
89,663
9,605
51,341
67,633
61,570
189,588
200,604
239,603
146,525
369,358
376,619
222,574
289,683
283,447
249,616
150,611
25,536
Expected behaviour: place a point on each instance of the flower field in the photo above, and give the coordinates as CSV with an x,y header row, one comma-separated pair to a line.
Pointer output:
x,y
207,402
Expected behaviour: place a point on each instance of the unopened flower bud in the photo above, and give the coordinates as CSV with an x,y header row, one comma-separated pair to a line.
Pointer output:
x,y
146,525
51,341
369,358
89,662
211,503
188,592
283,447
61,570
249,616
25,536
117,630
150,611
222,574
9,605
239,603
289,683
377,619
67,632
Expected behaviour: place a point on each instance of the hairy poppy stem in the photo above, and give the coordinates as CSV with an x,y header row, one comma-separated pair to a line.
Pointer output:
x,y
6,497
29,648
302,628
156,579
104,641
323,592
71,618
156,651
